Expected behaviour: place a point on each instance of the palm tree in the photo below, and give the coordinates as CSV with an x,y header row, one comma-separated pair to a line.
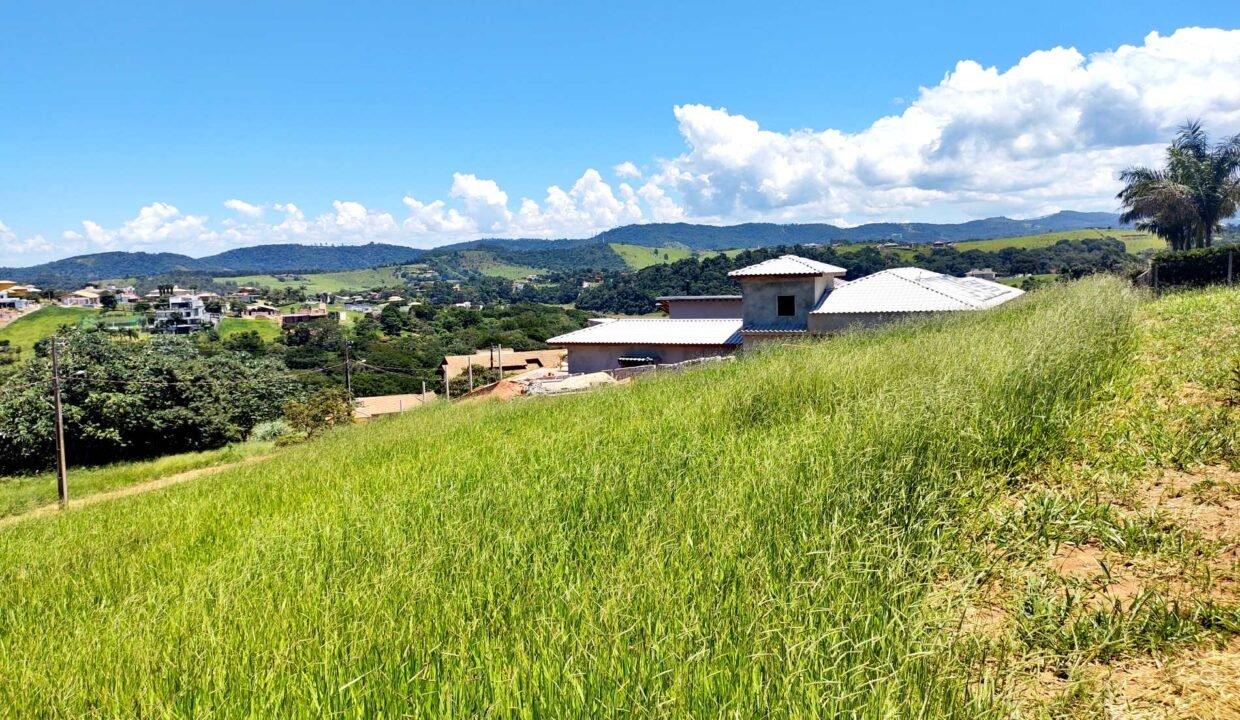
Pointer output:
x,y
1186,202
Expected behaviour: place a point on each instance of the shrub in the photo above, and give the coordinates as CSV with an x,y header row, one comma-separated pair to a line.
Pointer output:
x,y
1204,266
270,430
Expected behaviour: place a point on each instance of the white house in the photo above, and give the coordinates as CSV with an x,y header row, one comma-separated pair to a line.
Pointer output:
x,y
785,297
87,297
184,314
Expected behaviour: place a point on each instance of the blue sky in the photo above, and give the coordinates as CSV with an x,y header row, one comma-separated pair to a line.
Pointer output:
x,y
110,112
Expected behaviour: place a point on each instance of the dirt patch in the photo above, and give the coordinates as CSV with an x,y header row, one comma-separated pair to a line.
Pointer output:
x,y
1106,577
1206,501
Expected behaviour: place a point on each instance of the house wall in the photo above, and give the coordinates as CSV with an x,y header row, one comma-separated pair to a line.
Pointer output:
x,y
596,358
760,305
835,322
708,310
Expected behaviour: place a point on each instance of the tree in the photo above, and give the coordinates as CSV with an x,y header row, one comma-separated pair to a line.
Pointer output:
x,y
392,320
1186,202
108,301
125,399
248,342
323,409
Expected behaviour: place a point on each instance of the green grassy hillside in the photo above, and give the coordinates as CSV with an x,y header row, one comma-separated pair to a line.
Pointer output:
x,y
1134,240
266,329
487,264
328,281
779,535
25,331
640,256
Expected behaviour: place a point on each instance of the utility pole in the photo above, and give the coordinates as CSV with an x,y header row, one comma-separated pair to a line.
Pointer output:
x,y
423,391
447,388
62,481
499,353
348,370
471,376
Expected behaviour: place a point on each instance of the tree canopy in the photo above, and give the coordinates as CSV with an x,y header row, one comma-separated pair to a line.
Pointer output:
x,y
1187,200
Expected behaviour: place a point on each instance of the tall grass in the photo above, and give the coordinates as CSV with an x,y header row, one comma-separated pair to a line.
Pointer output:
x,y
26,492
758,538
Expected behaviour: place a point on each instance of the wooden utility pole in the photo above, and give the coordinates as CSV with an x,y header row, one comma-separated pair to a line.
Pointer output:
x,y
348,370
62,481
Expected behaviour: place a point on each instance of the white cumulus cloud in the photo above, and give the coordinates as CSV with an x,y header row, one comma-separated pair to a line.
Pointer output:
x,y
627,170
242,207
1048,133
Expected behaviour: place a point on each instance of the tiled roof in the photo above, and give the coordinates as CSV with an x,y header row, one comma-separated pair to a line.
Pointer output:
x,y
788,265
512,359
910,289
660,331
368,407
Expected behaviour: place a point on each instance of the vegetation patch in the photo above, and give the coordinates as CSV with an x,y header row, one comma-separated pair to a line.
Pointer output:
x,y
647,549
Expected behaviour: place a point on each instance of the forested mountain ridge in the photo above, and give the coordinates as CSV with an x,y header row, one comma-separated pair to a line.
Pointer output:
x,y
594,252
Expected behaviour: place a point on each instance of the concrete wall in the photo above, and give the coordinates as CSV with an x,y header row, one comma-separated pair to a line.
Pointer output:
x,y
596,358
761,306
703,309
835,322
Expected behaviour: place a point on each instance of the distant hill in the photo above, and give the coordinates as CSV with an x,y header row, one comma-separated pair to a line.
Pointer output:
x,y
751,235
592,252
242,261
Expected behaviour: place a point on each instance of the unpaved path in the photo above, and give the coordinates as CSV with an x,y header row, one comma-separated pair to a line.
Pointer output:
x,y
128,490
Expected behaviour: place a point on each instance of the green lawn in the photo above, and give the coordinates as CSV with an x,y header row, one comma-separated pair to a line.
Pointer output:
x,y
780,536
328,282
24,332
20,494
266,329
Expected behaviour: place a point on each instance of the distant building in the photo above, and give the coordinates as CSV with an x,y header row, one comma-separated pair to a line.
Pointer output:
x,y
366,408
785,297
183,314
87,297
983,273
303,316
507,358
10,301
261,310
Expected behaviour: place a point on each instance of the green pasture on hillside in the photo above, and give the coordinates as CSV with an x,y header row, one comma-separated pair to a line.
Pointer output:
x,y
771,536
327,282
1134,241
25,331
486,263
266,329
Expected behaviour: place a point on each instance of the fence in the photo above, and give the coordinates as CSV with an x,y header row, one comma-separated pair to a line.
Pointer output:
x,y
636,370
1192,268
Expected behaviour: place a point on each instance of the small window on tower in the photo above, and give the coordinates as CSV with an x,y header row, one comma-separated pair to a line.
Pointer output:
x,y
787,305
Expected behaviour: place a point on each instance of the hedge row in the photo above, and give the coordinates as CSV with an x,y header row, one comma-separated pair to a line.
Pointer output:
x,y
1205,266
